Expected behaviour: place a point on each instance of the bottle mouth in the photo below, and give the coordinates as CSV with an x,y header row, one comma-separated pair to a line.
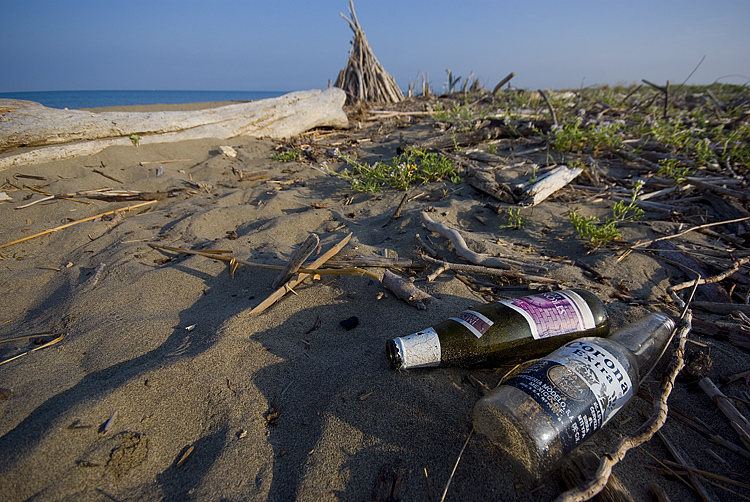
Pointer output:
x,y
393,354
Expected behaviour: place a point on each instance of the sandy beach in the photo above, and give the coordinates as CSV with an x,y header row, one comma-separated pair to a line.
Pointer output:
x,y
166,387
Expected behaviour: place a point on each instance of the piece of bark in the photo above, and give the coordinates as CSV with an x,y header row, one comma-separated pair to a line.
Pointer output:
x,y
486,182
728,210
491,129
297,259
549,184
460,244
279,293
78,132
737,420
406,290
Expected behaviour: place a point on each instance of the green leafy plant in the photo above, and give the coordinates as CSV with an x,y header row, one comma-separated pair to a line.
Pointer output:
x,y
412,167
574,136
570,136
135,139
450,86
289,155
600,233
454,138
533,178
460,116
515,220
671,168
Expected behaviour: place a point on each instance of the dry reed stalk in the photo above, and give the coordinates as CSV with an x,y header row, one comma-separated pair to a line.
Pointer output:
x,y
61,227
225,255
48,344
276,295
297,259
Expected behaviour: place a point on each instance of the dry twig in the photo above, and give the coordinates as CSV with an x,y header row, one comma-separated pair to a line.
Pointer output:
x,y
406,290
460,244
478,269
445,492
719,277
224,255
644,245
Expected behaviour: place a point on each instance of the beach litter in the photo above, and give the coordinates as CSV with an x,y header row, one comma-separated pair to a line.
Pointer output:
x,y
461,239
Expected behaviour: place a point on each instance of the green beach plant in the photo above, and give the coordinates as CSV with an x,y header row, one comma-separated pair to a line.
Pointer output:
x,y
288,155
515,220
673,169
600,233
411,167
575,136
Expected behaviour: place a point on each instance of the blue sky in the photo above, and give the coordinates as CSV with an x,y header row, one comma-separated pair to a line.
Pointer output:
x,y
293,45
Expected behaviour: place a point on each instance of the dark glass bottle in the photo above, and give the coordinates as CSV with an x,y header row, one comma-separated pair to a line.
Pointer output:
x,y
502,332
544,412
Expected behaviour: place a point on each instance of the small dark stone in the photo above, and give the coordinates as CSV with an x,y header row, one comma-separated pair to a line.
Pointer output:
x,y
5,394
350,323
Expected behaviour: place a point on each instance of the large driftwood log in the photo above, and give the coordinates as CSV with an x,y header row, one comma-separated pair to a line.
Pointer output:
x,y
78,132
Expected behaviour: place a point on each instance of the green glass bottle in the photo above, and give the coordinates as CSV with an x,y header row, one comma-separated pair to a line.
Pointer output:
x,y
547,410
507,331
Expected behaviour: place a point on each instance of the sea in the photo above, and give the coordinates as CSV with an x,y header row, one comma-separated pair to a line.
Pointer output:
x,y
97,99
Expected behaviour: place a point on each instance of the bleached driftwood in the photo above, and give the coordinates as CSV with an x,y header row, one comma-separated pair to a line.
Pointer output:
x,y
460,244
78,132
549,184
406,290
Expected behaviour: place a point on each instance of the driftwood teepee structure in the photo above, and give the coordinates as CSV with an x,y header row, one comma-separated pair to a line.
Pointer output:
x,y
364,78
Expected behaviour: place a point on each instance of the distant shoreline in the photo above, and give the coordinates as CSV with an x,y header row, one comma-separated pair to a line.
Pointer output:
x,y
108,99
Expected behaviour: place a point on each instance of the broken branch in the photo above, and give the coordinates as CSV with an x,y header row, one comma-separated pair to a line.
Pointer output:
x,y
460,244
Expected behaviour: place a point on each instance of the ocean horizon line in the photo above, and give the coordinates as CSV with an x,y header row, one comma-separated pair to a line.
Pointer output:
x,y
106,98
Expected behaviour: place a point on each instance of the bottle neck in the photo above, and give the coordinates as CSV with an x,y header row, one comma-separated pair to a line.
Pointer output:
x,y
647,339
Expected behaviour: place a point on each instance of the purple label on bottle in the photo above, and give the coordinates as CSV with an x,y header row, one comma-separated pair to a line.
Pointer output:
x,y
554,313
474,322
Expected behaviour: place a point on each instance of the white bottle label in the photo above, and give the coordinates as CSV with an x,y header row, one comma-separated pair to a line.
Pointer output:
x,y
554,313
475,322
580,386
420,350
